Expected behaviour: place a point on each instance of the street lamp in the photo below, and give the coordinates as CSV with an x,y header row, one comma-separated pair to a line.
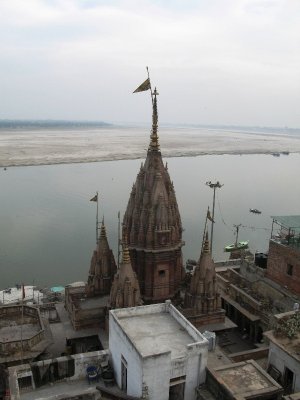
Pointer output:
x,y
214,186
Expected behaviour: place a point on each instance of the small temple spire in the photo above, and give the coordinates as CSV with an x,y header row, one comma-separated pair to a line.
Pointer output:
x,y
102,267
154,143
125,290
205,246
126,257
103,229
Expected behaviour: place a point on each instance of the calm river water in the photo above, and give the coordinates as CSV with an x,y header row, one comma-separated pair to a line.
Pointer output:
x,y
47,231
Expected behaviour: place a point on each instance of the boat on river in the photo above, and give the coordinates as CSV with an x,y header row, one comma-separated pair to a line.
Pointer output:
x,y
237,246
254,211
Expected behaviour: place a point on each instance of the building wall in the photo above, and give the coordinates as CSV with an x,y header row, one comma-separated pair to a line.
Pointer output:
x,y
120,345
79,361
280,359
155,287
152,374
279,257
156,376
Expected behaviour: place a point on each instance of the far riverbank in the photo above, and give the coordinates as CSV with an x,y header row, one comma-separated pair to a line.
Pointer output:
x,y
65,145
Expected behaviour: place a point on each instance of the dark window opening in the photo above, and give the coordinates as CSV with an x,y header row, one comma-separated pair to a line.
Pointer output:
x,y
288,380
289,269
25,382
123,374
162,272
177,386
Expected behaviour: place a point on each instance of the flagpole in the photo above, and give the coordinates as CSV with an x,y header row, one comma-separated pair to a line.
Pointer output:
x,y
204,230
22,321
213,186
150,84
119,239
97,219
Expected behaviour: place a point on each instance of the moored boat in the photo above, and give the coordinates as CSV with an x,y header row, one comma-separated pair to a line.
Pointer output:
x,y
237,246
254,211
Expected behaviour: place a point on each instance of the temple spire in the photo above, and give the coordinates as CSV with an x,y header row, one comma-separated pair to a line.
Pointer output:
x,y
205,245
126,257
154,144
103,229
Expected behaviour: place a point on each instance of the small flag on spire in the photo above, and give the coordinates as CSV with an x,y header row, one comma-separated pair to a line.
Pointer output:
x,y
144,86
95,198
208,216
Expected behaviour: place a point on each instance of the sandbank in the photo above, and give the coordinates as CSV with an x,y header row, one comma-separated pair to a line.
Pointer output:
x,y
61,146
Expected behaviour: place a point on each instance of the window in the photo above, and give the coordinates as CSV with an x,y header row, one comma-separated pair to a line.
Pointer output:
x,y
162,272
289,269
25,382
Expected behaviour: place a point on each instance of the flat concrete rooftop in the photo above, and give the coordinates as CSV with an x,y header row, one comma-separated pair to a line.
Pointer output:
x,y
72,388
94,302
156,333
15,332
290,346
245,377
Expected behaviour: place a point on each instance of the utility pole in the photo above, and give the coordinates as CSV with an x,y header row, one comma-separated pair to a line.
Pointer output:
x,y
119,238
237,227
214,186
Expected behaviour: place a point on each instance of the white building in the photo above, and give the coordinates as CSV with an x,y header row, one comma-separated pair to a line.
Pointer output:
x,y
284,356
156,353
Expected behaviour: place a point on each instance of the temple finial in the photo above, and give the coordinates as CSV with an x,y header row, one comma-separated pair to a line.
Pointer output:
x,y
206,247
126,257
154,144
103,229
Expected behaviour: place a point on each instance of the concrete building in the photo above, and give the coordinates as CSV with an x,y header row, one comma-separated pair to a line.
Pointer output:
x,y
153,227
240,381
24,335
156,352
284,351
283,265
251,299
61,378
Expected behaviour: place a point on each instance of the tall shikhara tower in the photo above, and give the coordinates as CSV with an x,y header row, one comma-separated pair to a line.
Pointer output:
x,y
152,224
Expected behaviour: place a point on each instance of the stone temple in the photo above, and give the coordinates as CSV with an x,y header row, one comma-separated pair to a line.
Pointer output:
x,y
153,227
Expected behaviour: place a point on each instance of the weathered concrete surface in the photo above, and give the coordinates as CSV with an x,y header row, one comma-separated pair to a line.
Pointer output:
x,y
242,380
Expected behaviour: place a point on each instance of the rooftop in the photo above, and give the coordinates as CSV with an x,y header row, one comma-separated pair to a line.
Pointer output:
x,y
157,328
12,329
154,334
290,346
93,302
244,379
288,221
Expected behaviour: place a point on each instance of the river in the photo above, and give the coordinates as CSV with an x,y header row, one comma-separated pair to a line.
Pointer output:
x,y
47,231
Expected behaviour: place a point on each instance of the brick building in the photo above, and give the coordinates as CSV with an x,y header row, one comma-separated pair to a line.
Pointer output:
x,y
284,252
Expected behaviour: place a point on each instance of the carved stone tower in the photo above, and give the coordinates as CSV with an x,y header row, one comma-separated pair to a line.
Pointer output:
x,y
202,300
125,290
102,268
152,225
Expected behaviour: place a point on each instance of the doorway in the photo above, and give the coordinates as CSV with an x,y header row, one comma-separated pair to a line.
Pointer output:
x,y
288,380
123,374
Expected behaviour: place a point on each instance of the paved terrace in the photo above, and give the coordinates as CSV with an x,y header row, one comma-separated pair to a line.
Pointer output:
x,y
11,329
156,333
64,329
158,328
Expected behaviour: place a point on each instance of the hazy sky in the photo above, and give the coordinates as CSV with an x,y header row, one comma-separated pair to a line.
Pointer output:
x,y
213,61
